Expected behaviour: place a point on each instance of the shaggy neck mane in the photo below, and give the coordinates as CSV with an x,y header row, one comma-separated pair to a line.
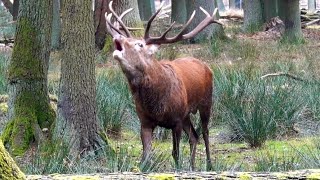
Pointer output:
x,y
156,87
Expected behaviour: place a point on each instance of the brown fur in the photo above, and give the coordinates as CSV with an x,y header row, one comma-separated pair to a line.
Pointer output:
x,y
165,93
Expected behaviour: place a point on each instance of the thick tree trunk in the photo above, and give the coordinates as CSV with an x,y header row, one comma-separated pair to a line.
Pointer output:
x,y
292,21
29,107
132,19
101,7
252,16
270,9
211,31
221,5
281,7
311,5
56,26
146,9
8,168
179,11
234,4
77,123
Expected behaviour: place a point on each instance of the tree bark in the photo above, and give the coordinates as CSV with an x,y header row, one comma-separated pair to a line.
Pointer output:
x,y
221,5
312,5
29,107
252,16
56,26
270,9
8,168
292,21
179,11
234,4
146,9
77,123
101,7
132,19
211,31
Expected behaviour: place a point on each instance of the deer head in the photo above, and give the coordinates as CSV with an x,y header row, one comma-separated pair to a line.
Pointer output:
x,y
136,54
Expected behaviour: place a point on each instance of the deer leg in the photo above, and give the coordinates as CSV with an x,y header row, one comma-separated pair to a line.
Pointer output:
x,y
193,139
176,136
146,137
205,116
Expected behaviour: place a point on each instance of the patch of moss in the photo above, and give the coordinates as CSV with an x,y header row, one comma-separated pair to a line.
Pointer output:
x,y
3,107
24,65
8,168
20,132
245,176
161,176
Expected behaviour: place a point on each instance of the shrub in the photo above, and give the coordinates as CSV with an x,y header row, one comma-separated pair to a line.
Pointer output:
x,y
113,101
253,108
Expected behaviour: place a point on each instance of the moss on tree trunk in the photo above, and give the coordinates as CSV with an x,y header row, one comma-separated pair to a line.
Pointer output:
x,y
77,124
8,168
29,108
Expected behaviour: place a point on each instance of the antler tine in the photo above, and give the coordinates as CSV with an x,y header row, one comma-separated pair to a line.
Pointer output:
x,y
208,20
119,19
146,33
181,36
111,28
162,39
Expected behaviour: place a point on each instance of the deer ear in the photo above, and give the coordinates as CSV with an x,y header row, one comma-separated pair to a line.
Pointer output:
x,y
153,49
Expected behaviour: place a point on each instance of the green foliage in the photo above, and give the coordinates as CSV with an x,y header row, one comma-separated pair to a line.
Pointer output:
x,y
254,108
272,161
114,102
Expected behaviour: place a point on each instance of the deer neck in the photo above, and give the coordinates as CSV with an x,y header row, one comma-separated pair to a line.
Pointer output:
x,y
154,89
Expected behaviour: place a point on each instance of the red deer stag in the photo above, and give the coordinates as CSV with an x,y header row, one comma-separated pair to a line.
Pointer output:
x,y
164,92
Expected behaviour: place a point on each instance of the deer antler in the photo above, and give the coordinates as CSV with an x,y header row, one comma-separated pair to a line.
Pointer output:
x,y
119,21
180,36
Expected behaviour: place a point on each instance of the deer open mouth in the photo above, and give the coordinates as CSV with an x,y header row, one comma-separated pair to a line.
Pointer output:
x,y
117,44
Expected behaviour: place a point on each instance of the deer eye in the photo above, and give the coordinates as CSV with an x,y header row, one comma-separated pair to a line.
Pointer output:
x,y
139,44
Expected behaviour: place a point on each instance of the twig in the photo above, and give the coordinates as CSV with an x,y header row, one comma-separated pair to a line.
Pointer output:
x,y
283,74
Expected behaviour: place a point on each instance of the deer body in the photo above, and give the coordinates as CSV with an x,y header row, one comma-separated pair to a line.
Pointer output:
x,y
165,92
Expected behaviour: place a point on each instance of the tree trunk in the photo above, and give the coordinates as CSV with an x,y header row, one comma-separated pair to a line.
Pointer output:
x,y
221,5
270,9
211,31
29,107
56,26
77,123
132,19
252,16
234,4
101,7
179,11
281,7
312,5
15,10
146,9
292,22
8,168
